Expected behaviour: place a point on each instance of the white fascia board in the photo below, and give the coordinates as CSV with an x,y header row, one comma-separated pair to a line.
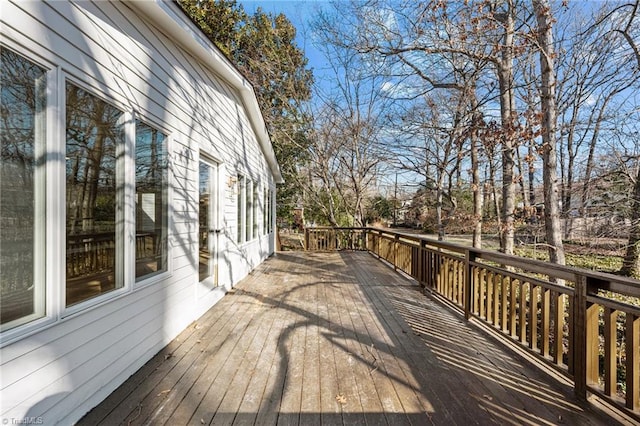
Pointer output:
x,y
168,16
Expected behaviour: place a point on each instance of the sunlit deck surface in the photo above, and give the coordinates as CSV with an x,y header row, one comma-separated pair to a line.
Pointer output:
x,y
337,338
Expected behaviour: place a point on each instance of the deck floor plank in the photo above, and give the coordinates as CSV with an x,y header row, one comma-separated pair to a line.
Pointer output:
x,y
337,339
153,373
310,405
347,396
330,408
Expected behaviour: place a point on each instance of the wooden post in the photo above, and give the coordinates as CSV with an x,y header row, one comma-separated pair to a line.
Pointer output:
x,y
469,257
545,310
365,236
610,318
633,360
306,239
558,320
395,251
579,338
585,339
429,271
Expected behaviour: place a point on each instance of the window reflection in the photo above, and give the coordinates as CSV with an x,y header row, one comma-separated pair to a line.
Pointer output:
x,y
22,130
254,210
93,137
240,204
151,201
204,178
248,208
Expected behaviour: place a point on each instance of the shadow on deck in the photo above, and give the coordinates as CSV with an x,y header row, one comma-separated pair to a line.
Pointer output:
x,y
337,338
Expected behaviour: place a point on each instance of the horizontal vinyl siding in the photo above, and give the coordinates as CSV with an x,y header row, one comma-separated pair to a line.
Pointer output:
x,y
62,371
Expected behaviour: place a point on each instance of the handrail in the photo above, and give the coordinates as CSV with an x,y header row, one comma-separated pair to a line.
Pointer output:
x,y
574,319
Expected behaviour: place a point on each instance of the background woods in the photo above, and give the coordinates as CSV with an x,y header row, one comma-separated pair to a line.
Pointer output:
x,y
510,119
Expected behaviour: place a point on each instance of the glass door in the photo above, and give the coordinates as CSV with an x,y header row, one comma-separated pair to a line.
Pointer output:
x,y
208,219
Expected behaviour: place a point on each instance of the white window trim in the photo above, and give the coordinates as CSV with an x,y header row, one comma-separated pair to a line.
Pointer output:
x,y
130,200
122,154
24,326
241,201
216,217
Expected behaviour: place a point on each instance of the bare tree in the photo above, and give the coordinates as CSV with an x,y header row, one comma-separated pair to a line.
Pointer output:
x,y
548,105
349,125
631,263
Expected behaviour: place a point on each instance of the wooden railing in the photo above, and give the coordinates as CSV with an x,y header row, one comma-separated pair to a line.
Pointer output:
x,y
585,323
88,254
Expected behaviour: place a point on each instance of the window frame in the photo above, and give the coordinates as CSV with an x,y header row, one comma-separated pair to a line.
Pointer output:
x,y
255,222
50,182
43,195
123,154
241,184
130,199
248,209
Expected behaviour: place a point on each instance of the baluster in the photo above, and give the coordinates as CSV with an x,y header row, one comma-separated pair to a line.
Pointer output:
x,y
558,331
503,302
524,289
610,344
482,284
497,286
632,343
475,285
545,312
513,307
489,307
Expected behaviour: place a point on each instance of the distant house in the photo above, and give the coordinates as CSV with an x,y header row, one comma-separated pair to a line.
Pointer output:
x,y
137,185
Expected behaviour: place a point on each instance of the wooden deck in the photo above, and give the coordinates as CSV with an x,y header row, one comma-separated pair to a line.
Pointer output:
x,y
337,338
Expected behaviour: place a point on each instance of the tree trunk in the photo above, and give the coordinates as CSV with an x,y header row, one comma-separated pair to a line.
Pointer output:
x,y
549,173
507,112
478,202
440,222
631,262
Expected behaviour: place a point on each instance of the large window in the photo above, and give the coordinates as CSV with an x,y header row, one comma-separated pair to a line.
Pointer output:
x,y
247,202
94,196
151,201
115,196
22,213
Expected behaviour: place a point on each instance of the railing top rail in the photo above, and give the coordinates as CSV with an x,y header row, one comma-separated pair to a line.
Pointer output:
x,y
603,280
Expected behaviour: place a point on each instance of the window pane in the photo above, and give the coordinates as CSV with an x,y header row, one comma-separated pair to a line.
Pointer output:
x,y
254,210
248,209
93,199
204,219
151,201
22,241
239,203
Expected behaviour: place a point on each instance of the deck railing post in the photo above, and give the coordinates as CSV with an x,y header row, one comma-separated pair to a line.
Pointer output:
x,y
396,238
365,239
632,345
579,338
306,239
423,263
469,257
585,338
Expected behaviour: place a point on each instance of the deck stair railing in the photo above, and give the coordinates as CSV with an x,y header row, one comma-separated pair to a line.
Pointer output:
x,y
584,323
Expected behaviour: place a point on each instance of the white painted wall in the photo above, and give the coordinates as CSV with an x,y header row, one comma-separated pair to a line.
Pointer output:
x,y
62,366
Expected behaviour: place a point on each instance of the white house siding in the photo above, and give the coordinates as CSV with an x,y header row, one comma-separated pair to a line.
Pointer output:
x,y
59,368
